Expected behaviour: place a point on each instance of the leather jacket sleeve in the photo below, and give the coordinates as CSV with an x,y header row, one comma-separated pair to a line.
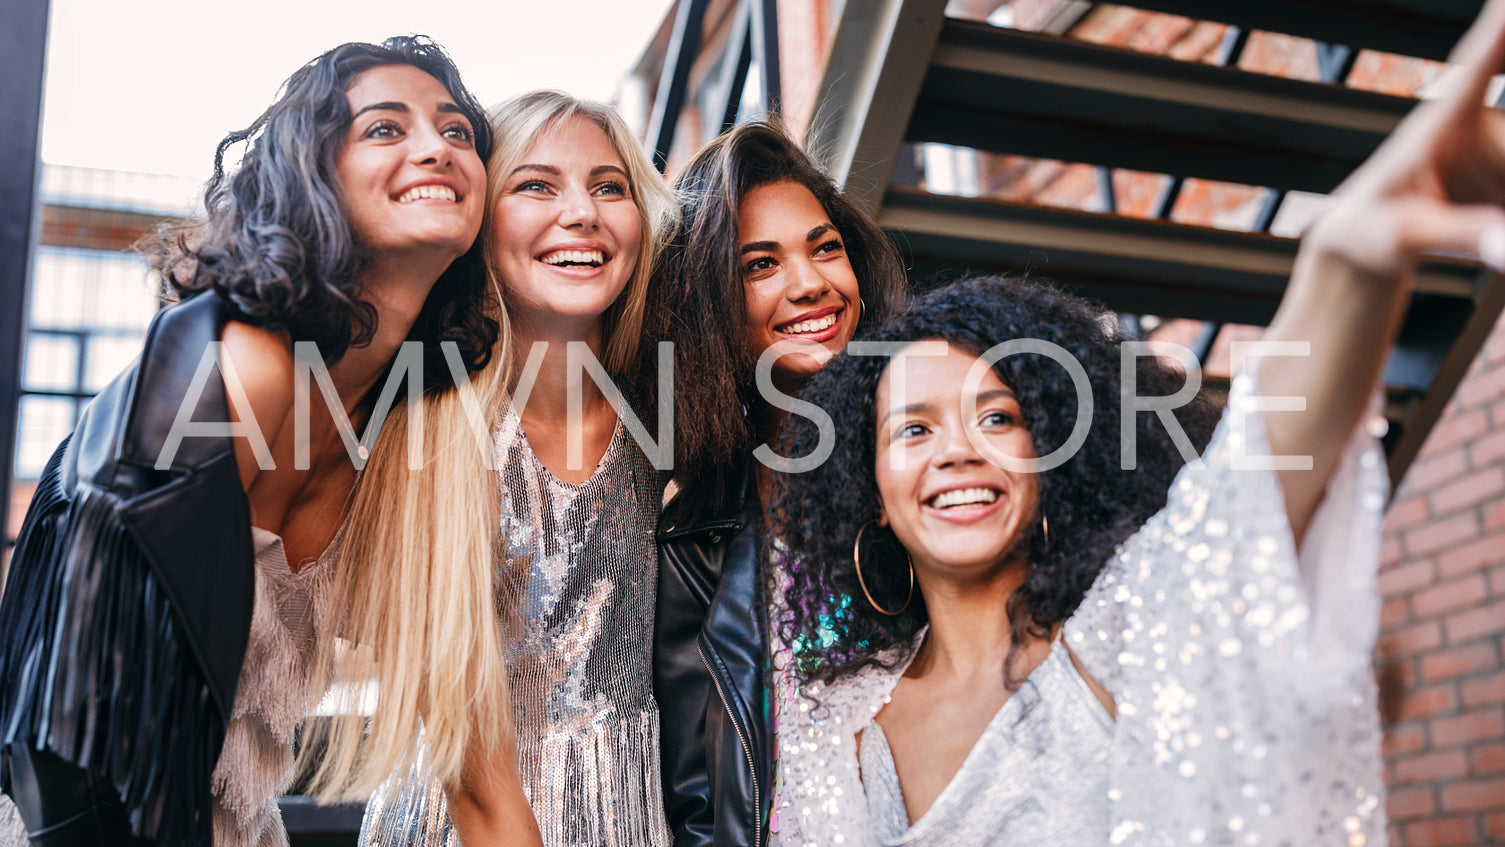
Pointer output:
x,y
125,618
710,651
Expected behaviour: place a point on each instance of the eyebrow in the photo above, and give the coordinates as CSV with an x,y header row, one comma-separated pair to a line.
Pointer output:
x,y
393,106
384,106
550,169
770,246
914,408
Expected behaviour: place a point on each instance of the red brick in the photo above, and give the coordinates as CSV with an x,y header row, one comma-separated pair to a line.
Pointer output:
x,y
1471,557
1468,491
1439,535
1494,515
1483,725
1406,578
1432,767
1428,702
1394,613
1465,593
1407,512
1497,580
1484,690
1488,759
1411,640
1481,388
1495,826
1390,551
1488,450
1411,803
1459,661
1443,832
1474,796
1402,740
1484,620
1424,475
1453,430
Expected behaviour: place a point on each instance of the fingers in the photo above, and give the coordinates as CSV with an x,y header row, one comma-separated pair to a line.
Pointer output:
x,y
1481,52
1470,230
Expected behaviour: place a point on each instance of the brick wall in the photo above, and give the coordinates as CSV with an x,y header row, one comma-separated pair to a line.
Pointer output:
x,y
1442,645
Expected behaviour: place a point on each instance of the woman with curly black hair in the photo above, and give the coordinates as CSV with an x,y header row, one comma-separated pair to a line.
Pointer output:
x,y
162,621
987,651
775,272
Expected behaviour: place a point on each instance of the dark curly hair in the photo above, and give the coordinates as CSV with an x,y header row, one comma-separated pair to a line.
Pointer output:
x,y
702,270
1092,504
277,244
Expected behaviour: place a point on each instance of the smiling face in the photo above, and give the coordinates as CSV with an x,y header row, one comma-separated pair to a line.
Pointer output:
x,y
798,284
565,230
957,513
408,169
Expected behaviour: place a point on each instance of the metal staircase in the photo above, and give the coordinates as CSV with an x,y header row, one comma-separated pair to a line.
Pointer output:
x,y
901,74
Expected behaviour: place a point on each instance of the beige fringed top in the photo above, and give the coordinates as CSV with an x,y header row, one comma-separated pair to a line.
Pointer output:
x,y
278,689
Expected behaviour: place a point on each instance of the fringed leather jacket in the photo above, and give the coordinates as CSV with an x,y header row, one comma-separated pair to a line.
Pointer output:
x,y
709,666
128,606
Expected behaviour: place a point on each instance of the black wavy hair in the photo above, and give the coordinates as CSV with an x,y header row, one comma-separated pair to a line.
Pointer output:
x,y
702,270
277,244
1091,503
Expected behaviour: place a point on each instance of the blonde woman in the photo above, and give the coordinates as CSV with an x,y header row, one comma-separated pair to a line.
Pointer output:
x,y
576,217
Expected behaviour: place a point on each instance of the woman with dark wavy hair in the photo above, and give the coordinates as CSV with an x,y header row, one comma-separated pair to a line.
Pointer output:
x,y
776,271
989,650
162,621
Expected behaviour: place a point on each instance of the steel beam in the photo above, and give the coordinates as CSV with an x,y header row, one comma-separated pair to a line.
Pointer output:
x,y
1017,92
23,59
1425,28
1234,277
878,59
674,82
763,21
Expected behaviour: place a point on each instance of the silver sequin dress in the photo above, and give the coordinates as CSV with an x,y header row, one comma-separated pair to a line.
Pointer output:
x,y
585,560
1240,672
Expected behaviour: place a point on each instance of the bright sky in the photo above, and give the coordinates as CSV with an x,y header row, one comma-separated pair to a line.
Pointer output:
x,y
153,85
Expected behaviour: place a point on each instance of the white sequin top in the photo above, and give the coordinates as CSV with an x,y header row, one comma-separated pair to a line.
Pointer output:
x,y
1240,672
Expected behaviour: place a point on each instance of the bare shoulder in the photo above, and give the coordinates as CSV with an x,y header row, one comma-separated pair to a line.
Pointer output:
x,y
257,365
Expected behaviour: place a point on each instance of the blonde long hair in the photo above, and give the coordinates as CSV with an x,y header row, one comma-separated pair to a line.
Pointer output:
x,y
416,591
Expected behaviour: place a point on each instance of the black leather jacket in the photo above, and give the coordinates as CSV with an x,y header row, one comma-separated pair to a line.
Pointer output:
x,y
709,664
128,607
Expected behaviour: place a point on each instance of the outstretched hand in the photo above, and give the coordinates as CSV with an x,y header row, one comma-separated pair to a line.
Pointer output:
x,y
1438,182
1436,185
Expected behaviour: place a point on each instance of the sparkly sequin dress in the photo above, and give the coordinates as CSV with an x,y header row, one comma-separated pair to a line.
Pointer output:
x,y
1240,672
585,562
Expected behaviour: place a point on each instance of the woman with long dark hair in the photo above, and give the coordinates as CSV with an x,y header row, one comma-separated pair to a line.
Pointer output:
x,y
776,271
163,619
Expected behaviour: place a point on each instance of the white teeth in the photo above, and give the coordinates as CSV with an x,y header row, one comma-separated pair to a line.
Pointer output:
x,y
816,325
428,192
963,497
575,257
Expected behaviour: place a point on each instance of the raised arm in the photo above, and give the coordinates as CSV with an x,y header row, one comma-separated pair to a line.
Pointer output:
x,y
1435,185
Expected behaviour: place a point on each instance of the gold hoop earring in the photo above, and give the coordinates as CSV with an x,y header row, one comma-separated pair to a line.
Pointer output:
x,y
1045,530
857,564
